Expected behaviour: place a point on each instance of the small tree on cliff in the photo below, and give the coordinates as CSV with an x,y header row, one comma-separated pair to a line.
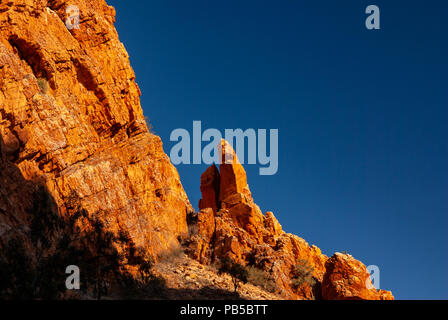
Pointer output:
x,y
303,274
237,271
260,278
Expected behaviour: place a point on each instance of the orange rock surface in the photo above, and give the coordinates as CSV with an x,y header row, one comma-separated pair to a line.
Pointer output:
x,y
347,279
234,227
70,119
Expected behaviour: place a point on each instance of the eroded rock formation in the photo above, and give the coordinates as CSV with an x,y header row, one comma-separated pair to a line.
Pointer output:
x,y
230,225
70,119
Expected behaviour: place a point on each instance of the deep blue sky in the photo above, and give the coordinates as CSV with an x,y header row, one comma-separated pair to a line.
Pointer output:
x,y
362,116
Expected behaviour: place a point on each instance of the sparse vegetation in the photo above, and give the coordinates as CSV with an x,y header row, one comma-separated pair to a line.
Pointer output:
x,y
303,274
33,266
149,125
192,222
261,279
193,229
237,271
172,256
43,85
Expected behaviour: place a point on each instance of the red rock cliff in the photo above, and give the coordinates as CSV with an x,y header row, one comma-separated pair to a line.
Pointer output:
x,y
70,119
230,225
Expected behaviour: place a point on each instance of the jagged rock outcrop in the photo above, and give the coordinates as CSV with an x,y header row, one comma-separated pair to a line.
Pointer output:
x,y
230,225
347,279
71,120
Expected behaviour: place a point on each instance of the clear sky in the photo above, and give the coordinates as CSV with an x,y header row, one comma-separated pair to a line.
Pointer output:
x,y
362,116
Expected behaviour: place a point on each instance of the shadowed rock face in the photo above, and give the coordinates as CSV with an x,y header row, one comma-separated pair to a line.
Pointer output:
x,y
210,189
70,118
231,225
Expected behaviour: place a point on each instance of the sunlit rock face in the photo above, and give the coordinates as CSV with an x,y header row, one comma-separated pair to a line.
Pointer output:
x,y
230,225
347,279
70,119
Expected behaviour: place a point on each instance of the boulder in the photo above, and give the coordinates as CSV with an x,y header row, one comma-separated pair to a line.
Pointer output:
x,y
347,279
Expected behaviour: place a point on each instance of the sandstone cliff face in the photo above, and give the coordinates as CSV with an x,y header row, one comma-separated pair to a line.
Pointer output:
x,y
70,119
230,225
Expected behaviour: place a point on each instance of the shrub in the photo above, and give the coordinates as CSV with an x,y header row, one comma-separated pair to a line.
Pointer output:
x,y
303,274
237,271
173,255
193,229
149,125
260,278
43,85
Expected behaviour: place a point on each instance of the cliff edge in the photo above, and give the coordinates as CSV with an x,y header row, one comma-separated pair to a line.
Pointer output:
x,y
71,120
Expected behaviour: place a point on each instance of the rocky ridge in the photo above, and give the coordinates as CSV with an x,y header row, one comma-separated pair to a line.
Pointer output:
x,y
230,225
